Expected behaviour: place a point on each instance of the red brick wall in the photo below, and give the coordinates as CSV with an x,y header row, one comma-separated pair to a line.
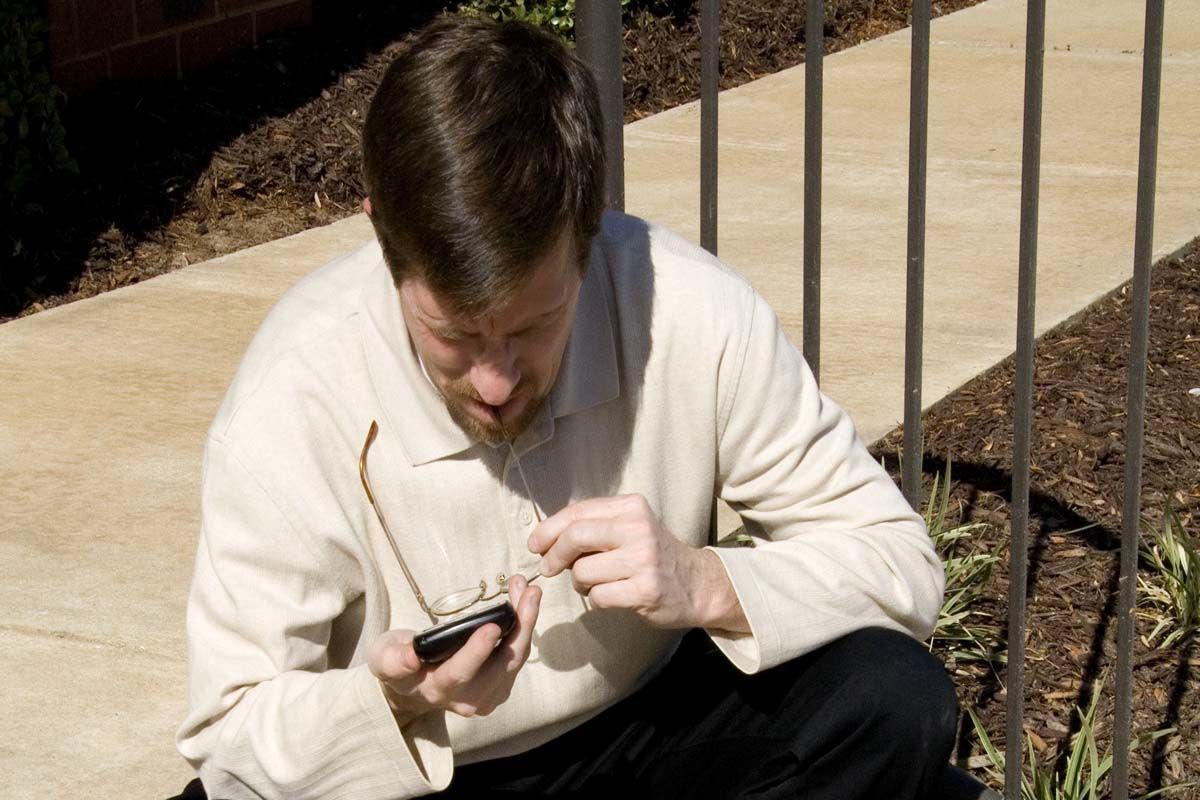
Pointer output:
x,y
94,40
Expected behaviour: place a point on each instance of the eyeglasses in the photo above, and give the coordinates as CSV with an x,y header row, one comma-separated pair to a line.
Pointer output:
x,y
458,601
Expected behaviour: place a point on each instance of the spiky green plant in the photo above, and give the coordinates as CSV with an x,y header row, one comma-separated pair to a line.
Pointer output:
x,y
1171,594
965,632
1084,776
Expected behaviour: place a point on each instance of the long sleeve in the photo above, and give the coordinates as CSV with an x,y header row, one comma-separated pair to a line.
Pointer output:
x,y
840,547
269,718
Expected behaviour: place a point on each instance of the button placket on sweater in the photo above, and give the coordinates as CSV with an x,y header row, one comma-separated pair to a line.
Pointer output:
x,y
520,513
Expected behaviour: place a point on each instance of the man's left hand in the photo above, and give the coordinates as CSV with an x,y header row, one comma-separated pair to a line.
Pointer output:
x,y
620,556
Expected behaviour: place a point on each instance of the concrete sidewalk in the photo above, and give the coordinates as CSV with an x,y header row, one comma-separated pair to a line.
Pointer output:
x,y
104,403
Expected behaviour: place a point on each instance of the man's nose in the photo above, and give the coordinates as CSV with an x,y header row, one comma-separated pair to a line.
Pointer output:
x,y
495,374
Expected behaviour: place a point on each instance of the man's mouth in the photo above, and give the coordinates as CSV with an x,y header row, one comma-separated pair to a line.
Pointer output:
x,y
496,415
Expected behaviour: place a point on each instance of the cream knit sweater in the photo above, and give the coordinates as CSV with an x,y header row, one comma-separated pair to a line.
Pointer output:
x,y
678,383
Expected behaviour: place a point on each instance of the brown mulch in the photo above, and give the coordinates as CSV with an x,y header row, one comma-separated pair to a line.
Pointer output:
x,y
1077,480
662,51
269,145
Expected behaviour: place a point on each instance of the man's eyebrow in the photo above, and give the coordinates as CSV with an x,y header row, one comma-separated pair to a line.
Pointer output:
x,y
436,324
449,328
557,309
542,317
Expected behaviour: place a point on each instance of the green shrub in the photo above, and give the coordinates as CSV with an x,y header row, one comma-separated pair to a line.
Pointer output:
x,y
556,15
1085,773
33,142
963,630
1171,594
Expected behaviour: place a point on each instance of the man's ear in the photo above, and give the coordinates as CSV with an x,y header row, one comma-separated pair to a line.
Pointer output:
x,y
367,205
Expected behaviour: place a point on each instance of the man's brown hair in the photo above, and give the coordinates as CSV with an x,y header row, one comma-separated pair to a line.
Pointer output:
x,y
482,145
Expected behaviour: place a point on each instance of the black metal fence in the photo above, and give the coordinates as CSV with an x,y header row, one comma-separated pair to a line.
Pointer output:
x,y
598,32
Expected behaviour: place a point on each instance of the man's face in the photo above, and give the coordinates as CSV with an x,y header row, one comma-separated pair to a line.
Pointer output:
x,y
495,371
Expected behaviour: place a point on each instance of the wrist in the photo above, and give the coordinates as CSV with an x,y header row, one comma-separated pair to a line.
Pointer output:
x,y
717,603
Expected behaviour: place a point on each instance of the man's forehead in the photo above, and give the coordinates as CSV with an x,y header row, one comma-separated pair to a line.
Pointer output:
x,y
548,288
545,293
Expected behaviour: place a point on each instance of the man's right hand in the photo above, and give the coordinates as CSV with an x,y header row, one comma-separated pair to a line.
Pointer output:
x,y
475,680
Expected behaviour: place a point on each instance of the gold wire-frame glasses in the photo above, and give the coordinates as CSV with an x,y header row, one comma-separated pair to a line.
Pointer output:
x,y
456,602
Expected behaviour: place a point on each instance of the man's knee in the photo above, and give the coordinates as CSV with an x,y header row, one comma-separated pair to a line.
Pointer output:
x,y
899,689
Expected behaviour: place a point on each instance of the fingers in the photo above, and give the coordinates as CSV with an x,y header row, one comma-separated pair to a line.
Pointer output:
x,y
493,683
516,646
527,614
526,601
466,683
597,508
580,538
617,594
516,587
586,536
606,567
474,680
449,684
467,661
549,529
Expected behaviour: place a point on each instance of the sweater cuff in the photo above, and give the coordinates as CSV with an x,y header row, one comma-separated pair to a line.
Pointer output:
x,y
419,751
762,648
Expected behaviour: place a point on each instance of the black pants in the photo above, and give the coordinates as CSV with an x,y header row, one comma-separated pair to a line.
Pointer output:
x,y
870,715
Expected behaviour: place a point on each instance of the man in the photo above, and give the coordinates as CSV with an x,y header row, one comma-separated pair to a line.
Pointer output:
x,y
512,383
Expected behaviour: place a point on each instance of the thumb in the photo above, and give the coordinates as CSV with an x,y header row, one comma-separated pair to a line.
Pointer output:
x,y
391,656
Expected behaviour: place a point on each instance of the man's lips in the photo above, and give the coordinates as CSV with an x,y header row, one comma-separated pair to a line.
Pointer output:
x,y
495,414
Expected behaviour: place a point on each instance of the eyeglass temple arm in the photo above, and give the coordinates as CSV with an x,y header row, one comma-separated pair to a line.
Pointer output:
x,y
362,476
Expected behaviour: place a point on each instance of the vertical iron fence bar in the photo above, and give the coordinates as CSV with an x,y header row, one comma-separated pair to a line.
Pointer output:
x,y
914,313
1031,157
1135,403
814,56
598,42
710,42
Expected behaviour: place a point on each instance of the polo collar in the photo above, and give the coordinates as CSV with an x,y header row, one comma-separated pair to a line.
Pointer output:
x,y
415,411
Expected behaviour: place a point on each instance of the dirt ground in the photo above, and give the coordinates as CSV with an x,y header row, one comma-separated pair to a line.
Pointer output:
x,y
1077,480
268,146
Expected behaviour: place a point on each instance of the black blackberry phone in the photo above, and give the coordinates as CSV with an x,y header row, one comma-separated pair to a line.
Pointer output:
x,y
442,640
